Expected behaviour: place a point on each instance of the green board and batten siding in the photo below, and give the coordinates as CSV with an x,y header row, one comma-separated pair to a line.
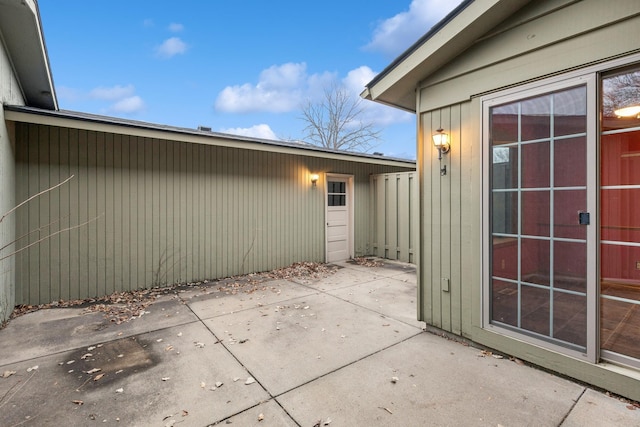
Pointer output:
x,y
541,40
10,93
164,211
395,216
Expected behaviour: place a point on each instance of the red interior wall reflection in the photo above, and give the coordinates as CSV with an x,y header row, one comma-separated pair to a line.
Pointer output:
x,y
620,208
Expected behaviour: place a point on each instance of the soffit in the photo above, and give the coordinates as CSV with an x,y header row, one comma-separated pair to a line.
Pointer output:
x,y
22,34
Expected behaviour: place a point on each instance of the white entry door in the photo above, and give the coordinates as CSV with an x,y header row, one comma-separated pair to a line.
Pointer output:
x,y
339,218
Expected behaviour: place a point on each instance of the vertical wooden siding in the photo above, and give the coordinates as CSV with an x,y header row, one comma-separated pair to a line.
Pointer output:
x,y
395,215
448,239
10,93
162,212
7,226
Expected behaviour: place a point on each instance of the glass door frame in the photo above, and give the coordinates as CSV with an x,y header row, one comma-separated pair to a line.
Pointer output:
x,y
590,81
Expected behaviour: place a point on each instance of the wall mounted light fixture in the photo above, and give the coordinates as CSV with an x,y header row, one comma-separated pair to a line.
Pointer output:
x,y
314,179
631,111
441,142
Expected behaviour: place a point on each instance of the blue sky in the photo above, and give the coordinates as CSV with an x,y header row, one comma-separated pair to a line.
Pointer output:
x,y
237,67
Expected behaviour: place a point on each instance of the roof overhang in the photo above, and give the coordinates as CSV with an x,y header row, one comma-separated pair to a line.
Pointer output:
x,y
21,31
396,85
92,122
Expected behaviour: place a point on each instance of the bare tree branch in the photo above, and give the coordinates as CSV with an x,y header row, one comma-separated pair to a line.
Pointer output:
x,y
620,91
51,235
34,196
31,232
338,122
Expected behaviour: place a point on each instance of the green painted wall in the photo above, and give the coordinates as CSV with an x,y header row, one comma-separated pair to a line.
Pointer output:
x,y
162,212
9,94
396,216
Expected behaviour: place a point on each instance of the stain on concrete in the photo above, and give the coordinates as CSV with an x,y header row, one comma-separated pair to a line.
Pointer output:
x,y
115,360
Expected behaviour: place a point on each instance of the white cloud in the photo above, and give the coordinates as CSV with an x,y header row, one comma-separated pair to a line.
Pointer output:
x,y
257,131
380,115
171,47
129,105
398,33
112,93
357,79
175,27
283,88
280,88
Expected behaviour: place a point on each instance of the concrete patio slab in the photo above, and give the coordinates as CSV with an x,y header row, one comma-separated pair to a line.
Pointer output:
x,y
150,379
217,302
596,408
388,296
317,349
378,267
288,344
440,383
266,414
342,278
54,330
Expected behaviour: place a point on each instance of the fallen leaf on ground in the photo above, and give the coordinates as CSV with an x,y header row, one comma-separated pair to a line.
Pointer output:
x,y
260,417
386,409
120,390
250,380
165,378
7,374
395,379
77,402
86,356
33,368
97,377
199,344
185,413
93,371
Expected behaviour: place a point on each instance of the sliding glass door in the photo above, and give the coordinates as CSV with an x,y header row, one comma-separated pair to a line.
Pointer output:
x,y
540,197
620,218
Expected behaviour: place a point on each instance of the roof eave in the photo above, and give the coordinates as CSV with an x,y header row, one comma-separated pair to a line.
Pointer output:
x,y
21,29
86,121
397,83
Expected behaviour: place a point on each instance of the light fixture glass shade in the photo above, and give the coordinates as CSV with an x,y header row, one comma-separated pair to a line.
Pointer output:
x,y
632,111
441,141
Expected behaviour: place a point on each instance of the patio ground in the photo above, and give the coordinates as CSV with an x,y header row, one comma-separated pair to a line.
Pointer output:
x,y
341,350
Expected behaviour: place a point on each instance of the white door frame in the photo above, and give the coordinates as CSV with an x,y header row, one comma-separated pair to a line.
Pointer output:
x,y
350,206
